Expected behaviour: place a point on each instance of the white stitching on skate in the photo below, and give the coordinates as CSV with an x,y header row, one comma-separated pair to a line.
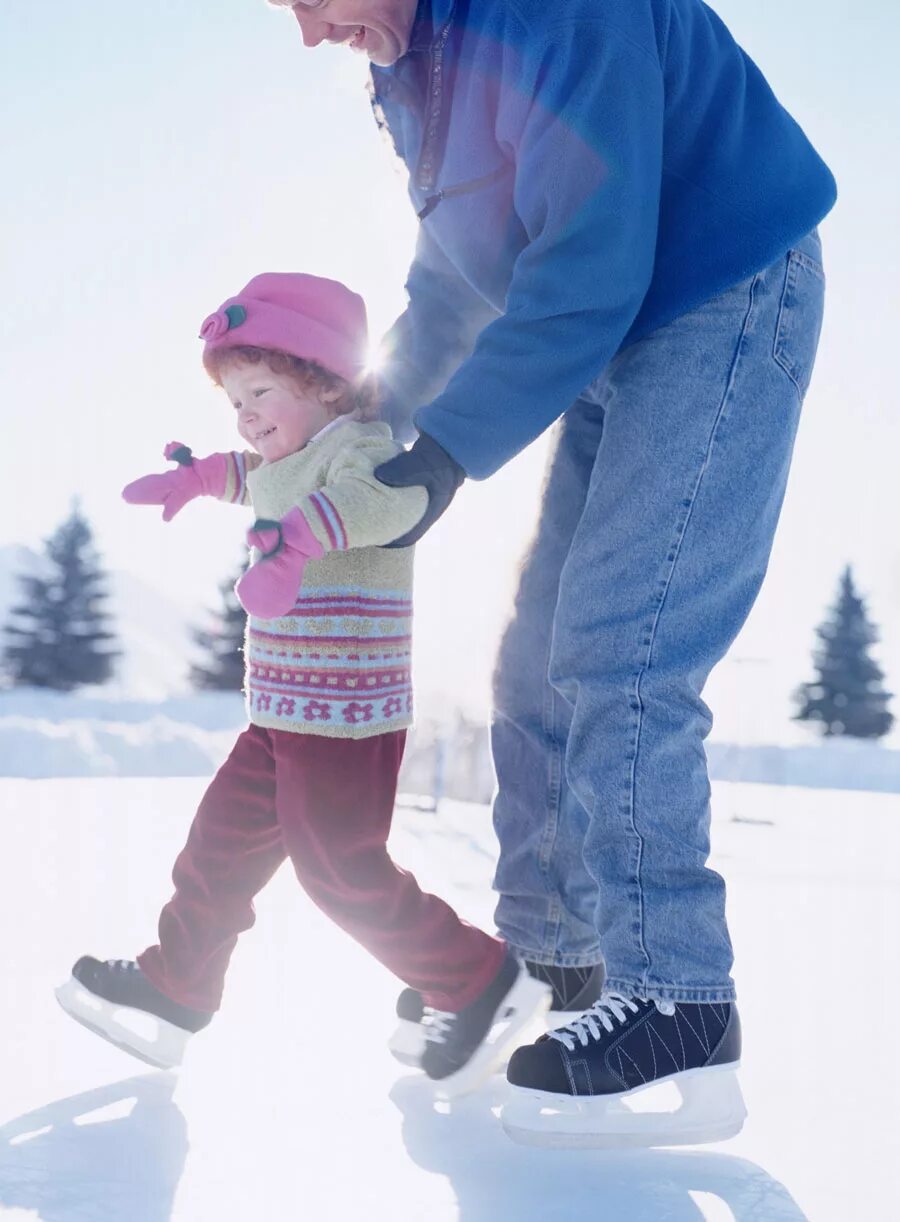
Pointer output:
x,y
651,1028
720,1041
705,1032
704,1046
678,1029
587,1076
629,1031
653,1054
621,1074
570,1075
637,1067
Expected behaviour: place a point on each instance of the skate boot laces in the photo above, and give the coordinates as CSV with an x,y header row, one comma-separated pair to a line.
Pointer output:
x,y
609,1009
437,1025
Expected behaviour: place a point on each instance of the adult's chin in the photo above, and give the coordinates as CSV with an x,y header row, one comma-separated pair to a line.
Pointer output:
x,y
383,52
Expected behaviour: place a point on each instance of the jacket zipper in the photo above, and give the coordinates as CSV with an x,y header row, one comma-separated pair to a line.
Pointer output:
x,y
427,167
462,188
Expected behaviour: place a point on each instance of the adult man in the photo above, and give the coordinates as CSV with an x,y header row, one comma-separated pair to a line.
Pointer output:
x,y
617,223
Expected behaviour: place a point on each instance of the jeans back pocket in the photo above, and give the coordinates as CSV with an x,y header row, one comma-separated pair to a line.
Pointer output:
x,y
800,319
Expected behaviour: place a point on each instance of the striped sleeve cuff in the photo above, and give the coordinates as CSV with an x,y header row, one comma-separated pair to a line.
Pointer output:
x,y
326,522
235,479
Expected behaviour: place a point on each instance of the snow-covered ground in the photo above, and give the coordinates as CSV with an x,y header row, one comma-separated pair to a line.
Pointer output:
x,y
289,1106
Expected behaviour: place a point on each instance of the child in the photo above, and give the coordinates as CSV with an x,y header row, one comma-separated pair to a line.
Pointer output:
x,y
329,699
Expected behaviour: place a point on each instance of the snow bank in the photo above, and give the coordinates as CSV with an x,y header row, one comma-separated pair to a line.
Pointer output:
x,y
205,710
834,764
49,734
33,747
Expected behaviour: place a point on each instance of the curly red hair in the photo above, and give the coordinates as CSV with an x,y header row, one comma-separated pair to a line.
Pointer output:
x,y
360,396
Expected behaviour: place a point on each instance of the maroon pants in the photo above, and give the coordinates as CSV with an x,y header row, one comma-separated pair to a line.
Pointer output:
x,y
327,804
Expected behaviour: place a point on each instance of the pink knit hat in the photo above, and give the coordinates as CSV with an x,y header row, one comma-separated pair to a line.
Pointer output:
x,y
315,319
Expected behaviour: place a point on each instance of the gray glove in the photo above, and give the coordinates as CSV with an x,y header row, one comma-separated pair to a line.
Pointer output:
x,y
428,465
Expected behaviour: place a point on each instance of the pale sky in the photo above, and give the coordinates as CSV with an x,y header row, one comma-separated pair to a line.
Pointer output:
x,y
155,157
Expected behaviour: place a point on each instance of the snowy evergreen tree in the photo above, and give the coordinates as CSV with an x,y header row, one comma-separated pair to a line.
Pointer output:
x,y
847,697
57,636
223,644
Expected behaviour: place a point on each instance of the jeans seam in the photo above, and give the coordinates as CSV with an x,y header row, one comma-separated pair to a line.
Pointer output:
x,y
672,560
783,332
790,282
808,261
551,824
690,501
629,813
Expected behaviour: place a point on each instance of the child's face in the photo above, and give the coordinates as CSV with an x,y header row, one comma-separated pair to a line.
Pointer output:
x,y
275,415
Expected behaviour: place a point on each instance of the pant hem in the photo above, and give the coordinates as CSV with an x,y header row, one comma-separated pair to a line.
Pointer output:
x,y
189,1002
549,959
702,995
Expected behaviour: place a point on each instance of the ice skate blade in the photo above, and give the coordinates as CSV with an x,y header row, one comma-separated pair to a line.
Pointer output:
x,y
712,1109
99,1016
525,1001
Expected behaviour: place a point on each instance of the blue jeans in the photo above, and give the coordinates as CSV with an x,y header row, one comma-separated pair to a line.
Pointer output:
x,y
659,511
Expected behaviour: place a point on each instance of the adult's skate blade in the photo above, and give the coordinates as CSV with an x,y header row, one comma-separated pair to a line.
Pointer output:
x,y
525,1001
407,1043
120,1025
711,1109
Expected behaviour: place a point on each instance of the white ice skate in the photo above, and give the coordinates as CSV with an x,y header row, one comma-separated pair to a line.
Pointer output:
x,y
116,1001
630,1073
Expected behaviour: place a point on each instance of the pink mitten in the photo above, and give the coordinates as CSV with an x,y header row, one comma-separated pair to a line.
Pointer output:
x,y
192,477
270,587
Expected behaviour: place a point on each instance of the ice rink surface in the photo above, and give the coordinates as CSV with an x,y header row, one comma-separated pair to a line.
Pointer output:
x,y
288,1107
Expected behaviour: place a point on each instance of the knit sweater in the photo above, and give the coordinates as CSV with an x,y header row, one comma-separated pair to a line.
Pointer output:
x,y
339,664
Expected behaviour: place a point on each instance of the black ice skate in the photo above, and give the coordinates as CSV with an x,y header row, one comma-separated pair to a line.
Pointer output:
x,y
464,1048
574,990
576,1087
115,999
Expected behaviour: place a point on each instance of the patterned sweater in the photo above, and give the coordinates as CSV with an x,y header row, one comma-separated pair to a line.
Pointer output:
x,y
339,664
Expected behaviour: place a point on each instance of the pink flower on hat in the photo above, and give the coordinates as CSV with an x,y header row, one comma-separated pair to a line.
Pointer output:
x,y
215,326
307,316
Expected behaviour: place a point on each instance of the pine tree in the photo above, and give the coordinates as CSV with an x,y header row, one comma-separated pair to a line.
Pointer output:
x,y
223,669
847,697
57,635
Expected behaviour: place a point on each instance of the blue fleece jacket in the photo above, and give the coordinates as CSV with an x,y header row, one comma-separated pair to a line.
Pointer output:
x,y
585,173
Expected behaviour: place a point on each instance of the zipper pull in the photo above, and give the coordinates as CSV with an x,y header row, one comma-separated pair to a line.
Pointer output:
x,y
430,204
